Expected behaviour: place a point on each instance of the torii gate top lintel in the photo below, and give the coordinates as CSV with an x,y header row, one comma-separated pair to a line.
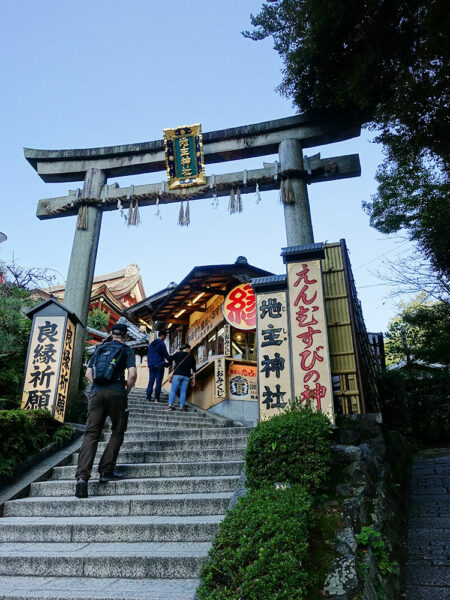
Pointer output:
x,y
258,139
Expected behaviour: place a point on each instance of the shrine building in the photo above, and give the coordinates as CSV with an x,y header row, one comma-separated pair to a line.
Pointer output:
x,y
114,293
214,310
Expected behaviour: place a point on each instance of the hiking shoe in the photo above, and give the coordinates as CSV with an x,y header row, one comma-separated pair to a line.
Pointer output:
x,y
81,489
183,409
169,407
105,477
149,399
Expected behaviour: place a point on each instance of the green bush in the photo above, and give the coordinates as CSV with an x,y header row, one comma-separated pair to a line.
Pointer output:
x,y
261,549
416,402
62,434
293,447
370,538
14,333
23,433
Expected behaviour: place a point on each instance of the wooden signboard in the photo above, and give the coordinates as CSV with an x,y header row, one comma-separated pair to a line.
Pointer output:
x,y
242,382
49,359
220,377
308,333
206,323
274,359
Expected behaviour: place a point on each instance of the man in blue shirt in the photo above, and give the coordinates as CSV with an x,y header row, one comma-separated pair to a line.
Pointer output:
x,y
157,357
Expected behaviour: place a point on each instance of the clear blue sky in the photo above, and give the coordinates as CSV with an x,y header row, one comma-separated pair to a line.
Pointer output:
x,y
84,73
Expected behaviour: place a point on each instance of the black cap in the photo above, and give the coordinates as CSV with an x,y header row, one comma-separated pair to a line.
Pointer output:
x,y
119,329
185,347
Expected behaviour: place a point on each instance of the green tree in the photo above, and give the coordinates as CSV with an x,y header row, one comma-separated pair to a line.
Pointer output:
x,y
15,301
414,196
98,319
388,62
421,332
434,324
14,334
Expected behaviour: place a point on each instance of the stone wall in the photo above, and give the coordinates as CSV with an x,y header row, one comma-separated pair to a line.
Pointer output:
x,y
371,468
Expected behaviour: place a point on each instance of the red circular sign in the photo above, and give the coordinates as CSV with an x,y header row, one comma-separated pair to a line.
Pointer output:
x,y
239,307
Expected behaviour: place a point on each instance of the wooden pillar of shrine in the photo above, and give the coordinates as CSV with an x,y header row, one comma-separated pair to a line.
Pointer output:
x,y
77,295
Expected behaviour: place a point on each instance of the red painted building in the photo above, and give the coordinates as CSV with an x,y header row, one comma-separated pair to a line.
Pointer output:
x,y
114,293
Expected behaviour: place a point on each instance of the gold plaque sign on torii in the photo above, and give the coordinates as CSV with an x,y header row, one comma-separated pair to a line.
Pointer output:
x,y
184,156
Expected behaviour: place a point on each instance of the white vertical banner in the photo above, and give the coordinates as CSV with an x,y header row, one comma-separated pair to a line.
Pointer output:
x,y
308,334
220,377
274,361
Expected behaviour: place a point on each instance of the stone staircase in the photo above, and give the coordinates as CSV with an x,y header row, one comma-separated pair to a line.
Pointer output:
x,y
427,575
144,537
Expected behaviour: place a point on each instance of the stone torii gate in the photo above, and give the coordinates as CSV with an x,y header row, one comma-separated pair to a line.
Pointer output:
x,y
287,137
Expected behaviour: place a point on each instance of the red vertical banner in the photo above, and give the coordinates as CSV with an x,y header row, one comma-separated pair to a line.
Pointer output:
x,y
308,335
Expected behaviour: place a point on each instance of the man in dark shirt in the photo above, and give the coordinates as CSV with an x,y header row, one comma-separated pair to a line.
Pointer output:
x,y
111,401
157,357
184,366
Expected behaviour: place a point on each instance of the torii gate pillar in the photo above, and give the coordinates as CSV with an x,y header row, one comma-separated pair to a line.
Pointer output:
x,y
297,216
81,270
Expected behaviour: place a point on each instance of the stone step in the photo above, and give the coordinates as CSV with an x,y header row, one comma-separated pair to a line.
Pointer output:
x,y
172,456
167,434
144,424
428,522
141,402
109,529
160,408
176,560
433,575
170,416
123,505
426,592
195,443
93,588
139,429
165,415
186,434
146,470
142,392
171,419
174,485
176,420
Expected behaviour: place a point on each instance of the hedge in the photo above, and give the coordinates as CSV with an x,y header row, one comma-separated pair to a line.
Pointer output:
x,y
23,433
293,448
261,549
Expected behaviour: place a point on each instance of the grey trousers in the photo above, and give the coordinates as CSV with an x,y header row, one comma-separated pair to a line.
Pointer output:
x,y
102,404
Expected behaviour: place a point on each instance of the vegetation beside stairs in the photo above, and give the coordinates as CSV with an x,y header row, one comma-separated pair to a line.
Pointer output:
x,y
322,516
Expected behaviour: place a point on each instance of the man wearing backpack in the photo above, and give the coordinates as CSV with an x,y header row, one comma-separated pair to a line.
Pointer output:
x,y
157,357
108,399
